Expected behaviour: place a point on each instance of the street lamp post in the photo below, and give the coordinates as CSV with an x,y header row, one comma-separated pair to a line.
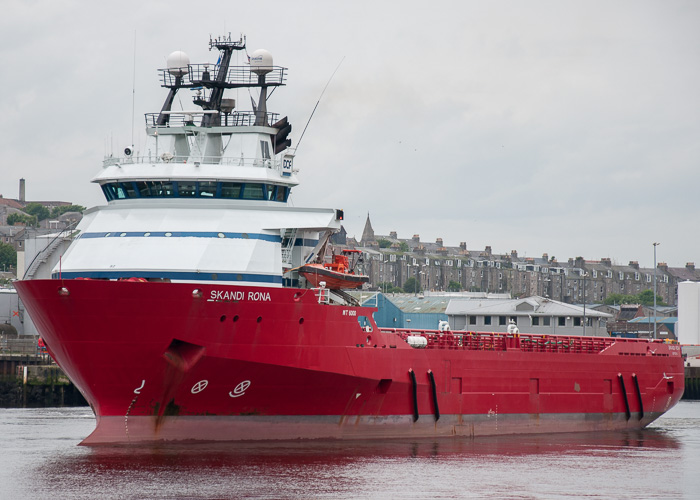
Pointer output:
x,y
655,245
585,275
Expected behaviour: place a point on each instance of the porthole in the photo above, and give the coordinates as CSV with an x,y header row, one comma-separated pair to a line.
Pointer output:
x,y
223,318
235,318
122,235
168,235
222,235
301,321
259,319
146,234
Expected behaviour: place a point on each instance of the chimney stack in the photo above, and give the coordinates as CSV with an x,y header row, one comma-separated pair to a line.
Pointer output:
x,y
21,191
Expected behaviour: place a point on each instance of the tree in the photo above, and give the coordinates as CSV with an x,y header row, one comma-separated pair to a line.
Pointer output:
x,y
646,298
27,220
388,287
58,211
384,243
37,210
8,256
403,246
618,298
411,285
453,286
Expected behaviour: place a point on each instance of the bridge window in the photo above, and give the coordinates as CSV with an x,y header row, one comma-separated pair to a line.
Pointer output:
x,y
231,190
207,189
281,193
253,192
192,189
187,189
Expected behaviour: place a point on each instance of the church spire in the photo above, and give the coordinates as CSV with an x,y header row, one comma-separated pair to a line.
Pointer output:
x,y
368,232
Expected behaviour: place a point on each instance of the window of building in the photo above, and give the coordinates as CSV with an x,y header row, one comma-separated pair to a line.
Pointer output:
x,y
487,320
502,320
545,321
577,321
472,320
562,321
535,321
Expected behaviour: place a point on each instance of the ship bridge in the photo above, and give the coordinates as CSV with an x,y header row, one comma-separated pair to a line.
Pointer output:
x,y
208,198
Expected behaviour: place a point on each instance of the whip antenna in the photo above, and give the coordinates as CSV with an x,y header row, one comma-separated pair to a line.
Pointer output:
x,y
317,102
133,95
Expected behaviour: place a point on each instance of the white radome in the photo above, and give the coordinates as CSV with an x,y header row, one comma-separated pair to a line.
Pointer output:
x,y
261,62
177,63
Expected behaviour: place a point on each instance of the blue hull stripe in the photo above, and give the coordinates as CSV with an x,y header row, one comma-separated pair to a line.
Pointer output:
x,y
173,275
184,234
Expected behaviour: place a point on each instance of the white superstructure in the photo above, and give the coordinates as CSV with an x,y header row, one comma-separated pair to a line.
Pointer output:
x,y
208,201
689,313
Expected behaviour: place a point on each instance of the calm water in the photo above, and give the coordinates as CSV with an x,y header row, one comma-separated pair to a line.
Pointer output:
x,y
40,459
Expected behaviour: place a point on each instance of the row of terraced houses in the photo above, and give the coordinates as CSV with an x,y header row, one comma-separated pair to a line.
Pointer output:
x,y
575,281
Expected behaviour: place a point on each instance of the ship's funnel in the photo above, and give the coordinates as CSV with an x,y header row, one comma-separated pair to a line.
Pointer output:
x,y
261,62
177,63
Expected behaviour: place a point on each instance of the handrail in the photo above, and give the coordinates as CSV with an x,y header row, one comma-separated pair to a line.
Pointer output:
x,y
271,163
185,119
499,341
29,271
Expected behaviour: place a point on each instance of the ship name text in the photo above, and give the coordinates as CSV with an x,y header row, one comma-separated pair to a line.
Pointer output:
x,y
238,295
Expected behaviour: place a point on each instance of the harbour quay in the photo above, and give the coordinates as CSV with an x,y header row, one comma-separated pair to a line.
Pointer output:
x,y
29,378
692,371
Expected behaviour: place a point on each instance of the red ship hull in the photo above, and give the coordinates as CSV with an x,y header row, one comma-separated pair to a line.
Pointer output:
x,y
167,362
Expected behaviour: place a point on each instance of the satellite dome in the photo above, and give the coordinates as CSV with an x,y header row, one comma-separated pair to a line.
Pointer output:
x,y
261,62
177,63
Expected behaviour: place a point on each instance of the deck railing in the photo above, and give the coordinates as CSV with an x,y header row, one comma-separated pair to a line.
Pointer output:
x,y
497,341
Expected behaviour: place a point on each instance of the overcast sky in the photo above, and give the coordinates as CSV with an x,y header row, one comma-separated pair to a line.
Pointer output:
x,y
566,127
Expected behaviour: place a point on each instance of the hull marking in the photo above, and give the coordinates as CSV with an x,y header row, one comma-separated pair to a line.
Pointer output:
x,y
199,386
138,389
240,389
